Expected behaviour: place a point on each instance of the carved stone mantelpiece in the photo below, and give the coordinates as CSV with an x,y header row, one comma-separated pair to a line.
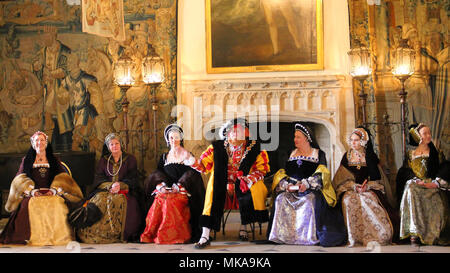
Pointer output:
x,y
318,99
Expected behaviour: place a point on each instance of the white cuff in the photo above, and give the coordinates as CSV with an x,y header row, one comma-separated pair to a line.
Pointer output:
x,y
283,184
305,183
175,188
159,186
441,183
189,161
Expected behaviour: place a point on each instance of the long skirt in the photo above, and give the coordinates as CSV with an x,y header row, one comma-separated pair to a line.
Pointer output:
x,y
120,222
167,220
366,219
423,213
39,221
306,219
294,220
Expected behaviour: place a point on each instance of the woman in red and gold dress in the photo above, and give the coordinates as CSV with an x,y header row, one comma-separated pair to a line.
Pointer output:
x,y
175,192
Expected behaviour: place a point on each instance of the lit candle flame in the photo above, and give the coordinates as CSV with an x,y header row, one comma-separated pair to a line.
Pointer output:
x,y
361,71
153,78
402,70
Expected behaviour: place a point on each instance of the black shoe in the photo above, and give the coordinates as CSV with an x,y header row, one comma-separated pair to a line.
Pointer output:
x,y
203,245
243,236
415,241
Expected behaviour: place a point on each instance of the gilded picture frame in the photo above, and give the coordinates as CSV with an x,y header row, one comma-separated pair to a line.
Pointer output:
x,y
263,35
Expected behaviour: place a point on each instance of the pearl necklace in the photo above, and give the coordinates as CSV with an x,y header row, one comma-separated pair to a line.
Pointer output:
x,y
107,166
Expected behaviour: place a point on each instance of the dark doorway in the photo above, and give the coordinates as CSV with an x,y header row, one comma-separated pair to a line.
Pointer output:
x,y
281,148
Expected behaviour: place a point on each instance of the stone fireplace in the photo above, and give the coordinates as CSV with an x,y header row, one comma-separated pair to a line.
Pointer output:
x,y
324,102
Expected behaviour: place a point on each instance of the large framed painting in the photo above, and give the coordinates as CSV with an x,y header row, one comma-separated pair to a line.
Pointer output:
x,y
264,35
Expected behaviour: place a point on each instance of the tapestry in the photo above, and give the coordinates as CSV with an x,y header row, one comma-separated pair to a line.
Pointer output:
x,y
381,25
58,79
103,18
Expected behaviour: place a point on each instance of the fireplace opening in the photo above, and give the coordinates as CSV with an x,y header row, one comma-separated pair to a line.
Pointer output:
x,y
277,138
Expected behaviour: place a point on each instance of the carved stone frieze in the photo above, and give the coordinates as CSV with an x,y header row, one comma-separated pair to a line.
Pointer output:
x,y
314,99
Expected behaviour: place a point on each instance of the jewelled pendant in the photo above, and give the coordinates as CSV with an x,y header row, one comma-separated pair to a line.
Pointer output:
x,y
42,172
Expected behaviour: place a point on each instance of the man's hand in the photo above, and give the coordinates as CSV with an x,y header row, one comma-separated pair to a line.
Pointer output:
x,y
243,186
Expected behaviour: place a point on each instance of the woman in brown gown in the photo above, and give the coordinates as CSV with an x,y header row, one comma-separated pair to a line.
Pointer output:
x,y
365,194
39,197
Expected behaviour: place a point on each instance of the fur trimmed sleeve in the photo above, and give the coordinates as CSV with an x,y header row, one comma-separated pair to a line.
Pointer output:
x,y
21,186
66,186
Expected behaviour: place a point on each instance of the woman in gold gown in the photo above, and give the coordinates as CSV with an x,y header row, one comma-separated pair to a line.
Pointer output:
x,y
422,191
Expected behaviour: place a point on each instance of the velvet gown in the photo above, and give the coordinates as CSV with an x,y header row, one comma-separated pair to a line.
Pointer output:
x,y
40,220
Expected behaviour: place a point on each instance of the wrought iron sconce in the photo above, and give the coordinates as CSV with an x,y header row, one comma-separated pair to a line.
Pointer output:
x,y
403,68
153,77
360,69
123,77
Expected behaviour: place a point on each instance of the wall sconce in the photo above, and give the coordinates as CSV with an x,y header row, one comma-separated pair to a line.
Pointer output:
x,y
123,77
360,69
403,68
153,76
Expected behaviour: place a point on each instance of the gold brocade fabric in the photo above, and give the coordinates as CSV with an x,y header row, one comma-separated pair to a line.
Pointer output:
x,y
365,218
48,221
327,188
111,226
418,165
422,213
